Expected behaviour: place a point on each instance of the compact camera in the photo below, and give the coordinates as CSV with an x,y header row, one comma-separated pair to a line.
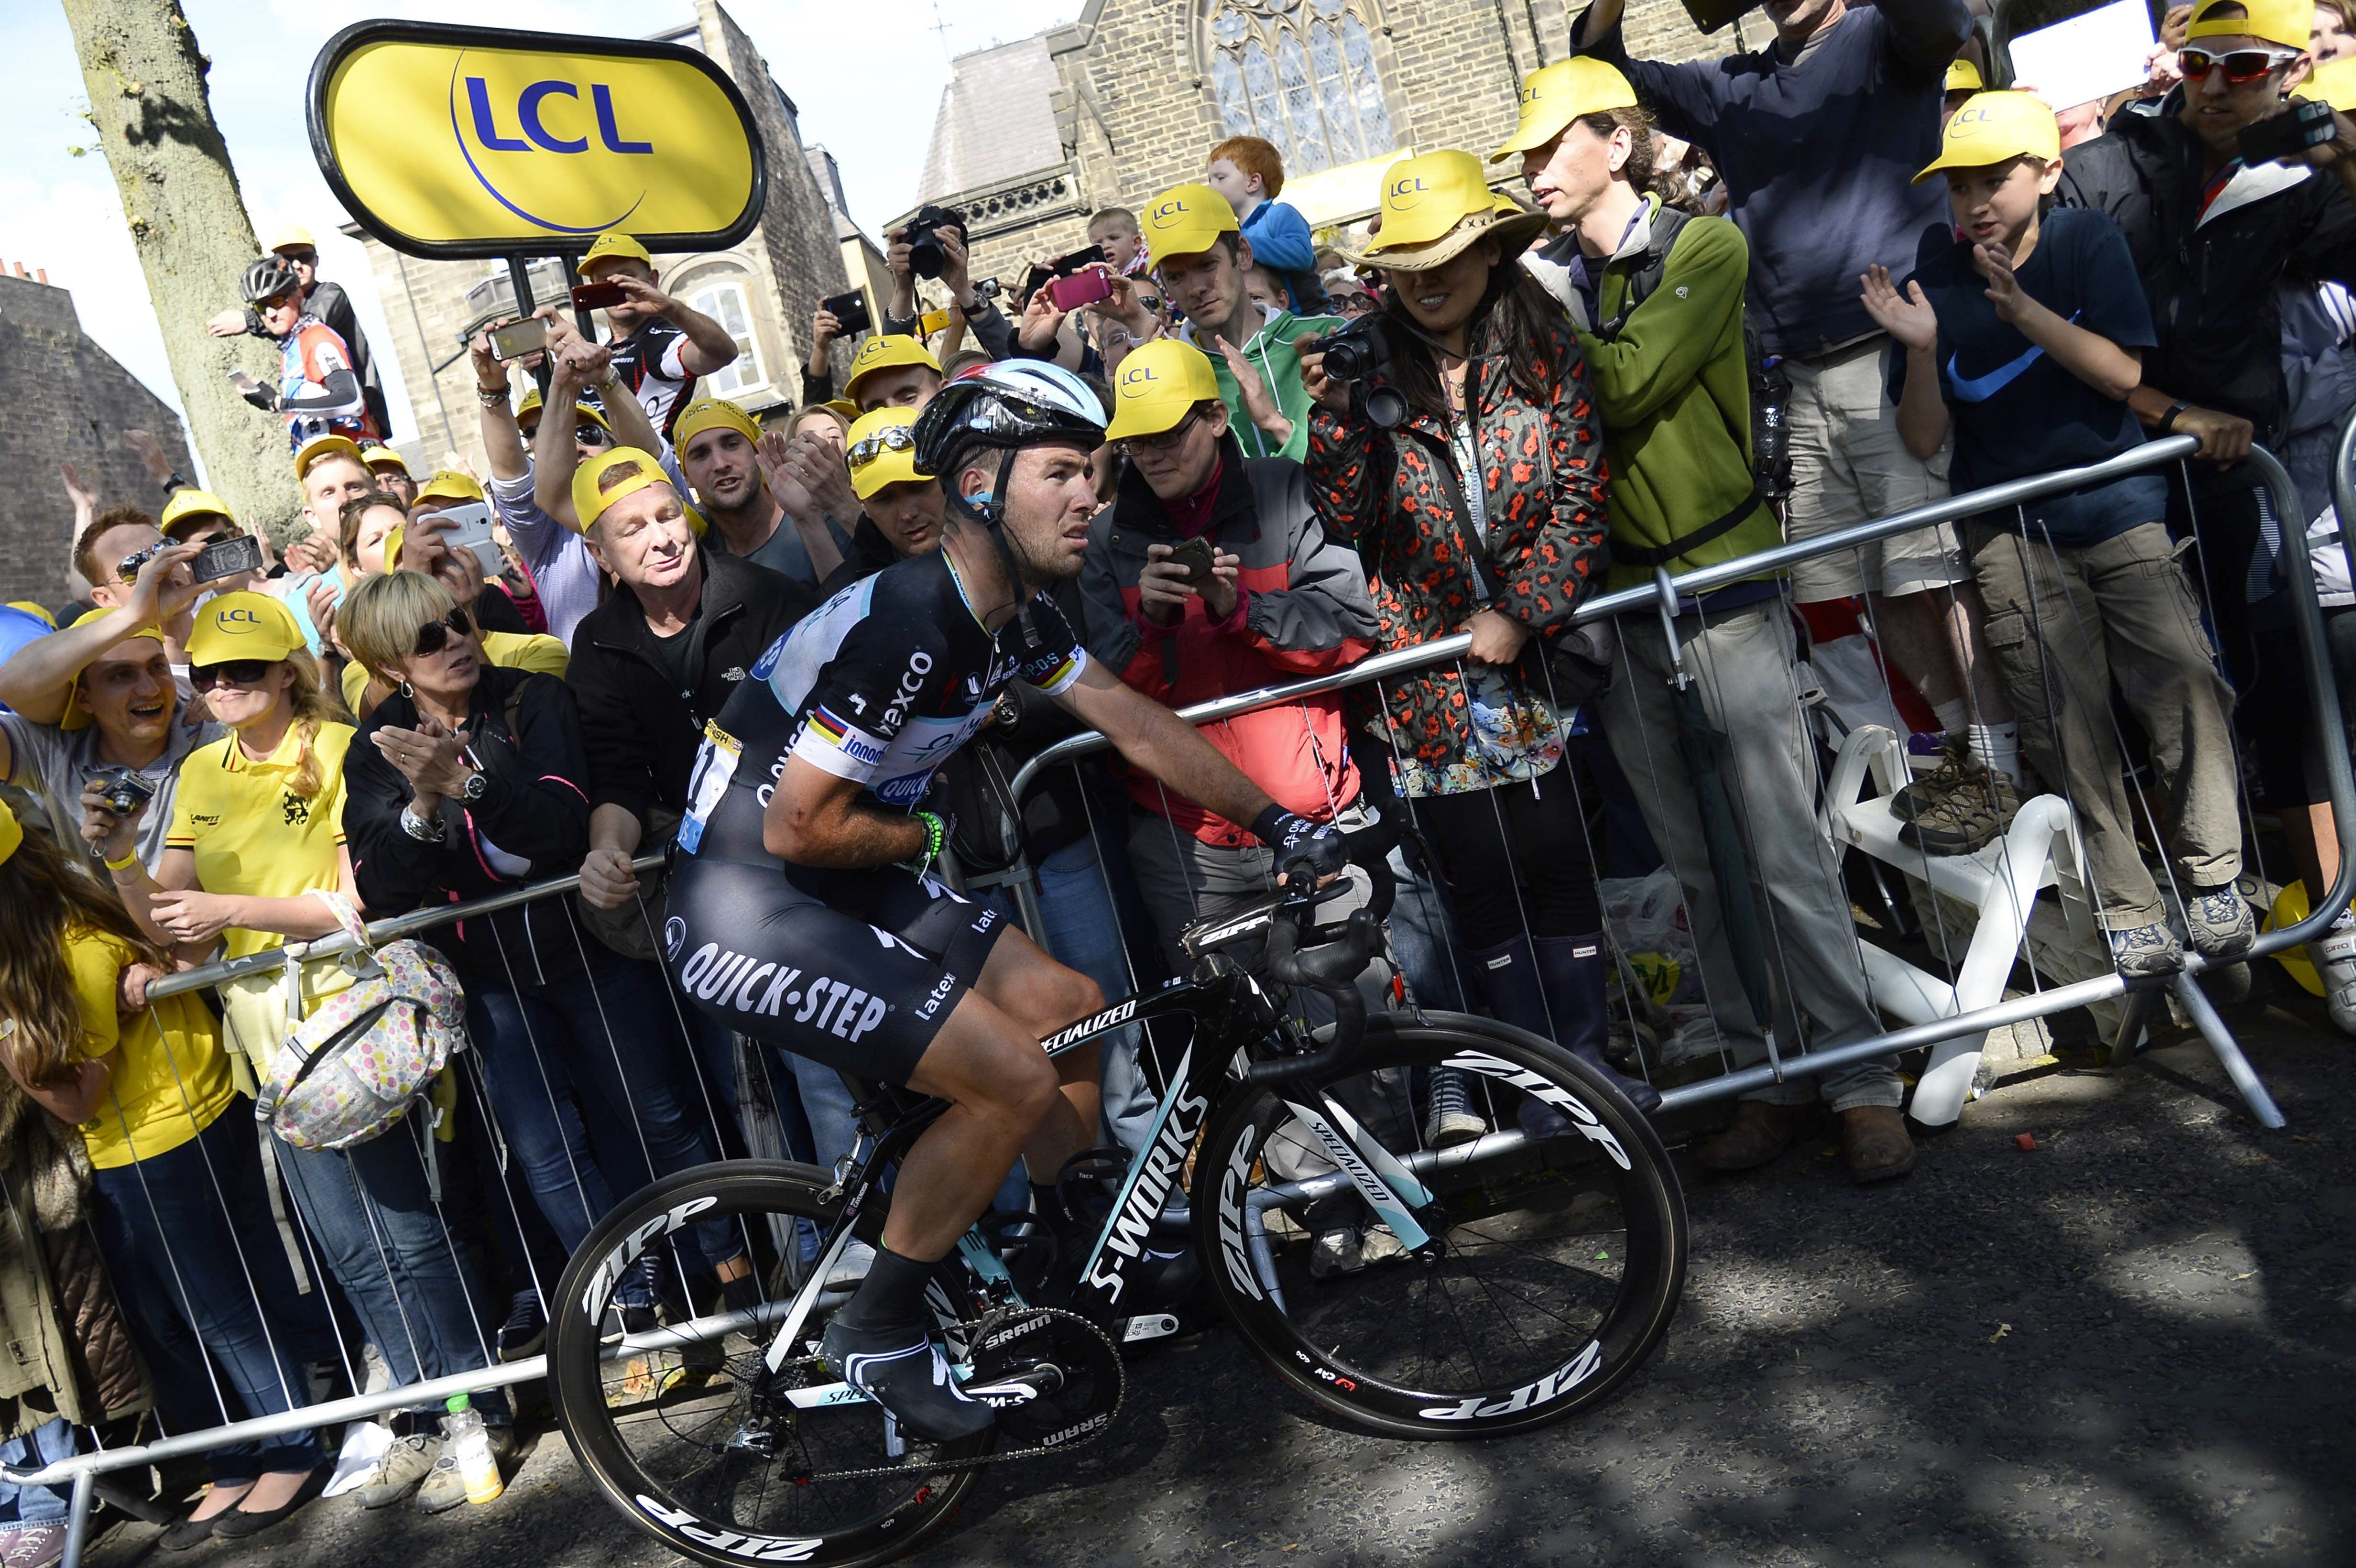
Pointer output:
x,y
126,788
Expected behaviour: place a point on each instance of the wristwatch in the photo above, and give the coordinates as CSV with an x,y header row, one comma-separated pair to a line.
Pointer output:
x,y
2167,425
424,832
178,481
472,790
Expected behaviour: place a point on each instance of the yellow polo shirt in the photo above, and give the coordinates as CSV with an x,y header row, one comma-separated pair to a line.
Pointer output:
x,y
252,834
172,1077
533,651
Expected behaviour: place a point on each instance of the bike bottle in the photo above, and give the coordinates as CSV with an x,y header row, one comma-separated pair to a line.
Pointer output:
x,y
477,1465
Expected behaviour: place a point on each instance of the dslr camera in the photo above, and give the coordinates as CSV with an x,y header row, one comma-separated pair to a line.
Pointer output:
x,y
126,788
923,235
1354,355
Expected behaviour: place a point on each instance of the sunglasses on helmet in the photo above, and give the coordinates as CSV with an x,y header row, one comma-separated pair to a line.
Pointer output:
x,y
435,635
2240,65
890,437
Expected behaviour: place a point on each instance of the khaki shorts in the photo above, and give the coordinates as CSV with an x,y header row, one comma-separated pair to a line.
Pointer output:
x,y
1849,465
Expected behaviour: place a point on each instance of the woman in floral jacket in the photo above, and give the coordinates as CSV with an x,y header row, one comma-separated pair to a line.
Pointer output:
x,y
1481,510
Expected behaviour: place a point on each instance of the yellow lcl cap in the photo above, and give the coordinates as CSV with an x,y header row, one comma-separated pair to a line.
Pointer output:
x,y
243,626
1993,128
1159,384
186,503
291,237
449,485
77,715
879,456
377,457
885,351
1186,221
320,446
1963,76
589,502
1557,94
614,245
712,413
2283,22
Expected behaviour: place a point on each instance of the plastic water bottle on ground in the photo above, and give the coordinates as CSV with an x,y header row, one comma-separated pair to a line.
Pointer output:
x,y
467,1439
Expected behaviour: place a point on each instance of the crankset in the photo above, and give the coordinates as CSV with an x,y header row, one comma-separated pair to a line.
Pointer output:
x,y
1054,1377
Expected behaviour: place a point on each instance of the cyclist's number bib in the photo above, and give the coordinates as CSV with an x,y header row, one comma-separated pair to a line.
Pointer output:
x,y
715,765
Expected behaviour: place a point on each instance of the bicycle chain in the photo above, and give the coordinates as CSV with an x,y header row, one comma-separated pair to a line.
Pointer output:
x,y
997,1457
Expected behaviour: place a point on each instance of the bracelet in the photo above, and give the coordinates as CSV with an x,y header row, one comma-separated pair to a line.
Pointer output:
x,y
491,397
422,831
2168,420
126,862
936,833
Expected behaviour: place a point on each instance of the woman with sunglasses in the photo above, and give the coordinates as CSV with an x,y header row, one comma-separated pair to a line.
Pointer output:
x,y
256,834
1469,473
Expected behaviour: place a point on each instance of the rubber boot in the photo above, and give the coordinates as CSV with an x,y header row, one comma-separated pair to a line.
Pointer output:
x,y
1572,971
1505,978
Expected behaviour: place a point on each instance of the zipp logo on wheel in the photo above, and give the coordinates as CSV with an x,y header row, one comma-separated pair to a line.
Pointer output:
x,y
734,1542
1552,1386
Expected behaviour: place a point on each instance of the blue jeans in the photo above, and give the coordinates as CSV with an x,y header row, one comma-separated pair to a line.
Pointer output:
x,y
532,1097
52,1441
382,1236
192,1279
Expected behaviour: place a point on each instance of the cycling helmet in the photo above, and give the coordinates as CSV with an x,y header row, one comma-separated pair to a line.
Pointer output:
x,y
1004,406
268,278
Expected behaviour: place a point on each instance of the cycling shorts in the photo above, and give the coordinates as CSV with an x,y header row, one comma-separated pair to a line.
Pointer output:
x,y
861,980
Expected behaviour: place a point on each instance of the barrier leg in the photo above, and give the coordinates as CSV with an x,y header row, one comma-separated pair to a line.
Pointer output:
x,y
2228,1051
85,1490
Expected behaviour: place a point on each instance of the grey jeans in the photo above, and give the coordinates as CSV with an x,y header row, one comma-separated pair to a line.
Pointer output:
x,y
2065,624
1741,661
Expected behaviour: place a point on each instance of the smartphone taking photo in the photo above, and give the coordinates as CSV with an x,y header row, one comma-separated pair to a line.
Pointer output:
x,y
850,311
1081,288
518,338
231,557
469,529
597,296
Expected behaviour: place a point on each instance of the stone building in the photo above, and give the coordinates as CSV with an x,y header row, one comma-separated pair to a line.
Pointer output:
x,y
1034,136
765,289
66,400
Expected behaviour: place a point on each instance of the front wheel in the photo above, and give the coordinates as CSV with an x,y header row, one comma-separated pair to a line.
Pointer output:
x,y
1544,1251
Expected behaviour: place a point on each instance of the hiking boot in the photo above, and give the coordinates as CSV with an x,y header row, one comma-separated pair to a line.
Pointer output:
x,y
1874,1142
1928,789
2334,956
2219,923
2144,952
904,1370
402,1470
1760,1132
1963,818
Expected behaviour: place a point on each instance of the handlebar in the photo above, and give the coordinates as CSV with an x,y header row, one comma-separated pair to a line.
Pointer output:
x,y
1327,958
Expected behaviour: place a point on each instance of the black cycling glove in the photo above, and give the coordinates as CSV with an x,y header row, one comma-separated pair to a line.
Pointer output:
x,y
1297,840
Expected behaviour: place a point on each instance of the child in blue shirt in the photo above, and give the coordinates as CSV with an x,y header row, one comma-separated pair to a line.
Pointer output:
x,y
2023,332
1248,171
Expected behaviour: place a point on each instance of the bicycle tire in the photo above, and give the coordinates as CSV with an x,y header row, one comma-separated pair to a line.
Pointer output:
x,y
689,1525
1582,1370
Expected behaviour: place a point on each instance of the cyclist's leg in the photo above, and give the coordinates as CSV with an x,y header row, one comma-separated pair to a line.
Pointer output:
x,y
1042,997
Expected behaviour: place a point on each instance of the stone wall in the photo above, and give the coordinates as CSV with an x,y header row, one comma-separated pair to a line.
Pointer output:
x,y
65,400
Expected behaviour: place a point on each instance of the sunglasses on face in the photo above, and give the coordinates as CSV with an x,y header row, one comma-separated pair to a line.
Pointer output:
x,y
236,672
1152,302
892,438
277,302
435,635
1166,442
2241,66
589,435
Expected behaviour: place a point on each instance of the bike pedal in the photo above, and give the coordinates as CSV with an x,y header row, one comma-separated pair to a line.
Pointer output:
x,y
894,1445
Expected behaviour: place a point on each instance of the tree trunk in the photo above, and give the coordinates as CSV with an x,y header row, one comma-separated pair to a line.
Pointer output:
x,y
154,123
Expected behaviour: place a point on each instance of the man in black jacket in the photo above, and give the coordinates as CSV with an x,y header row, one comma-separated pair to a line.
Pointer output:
x,y
329,304
2213,238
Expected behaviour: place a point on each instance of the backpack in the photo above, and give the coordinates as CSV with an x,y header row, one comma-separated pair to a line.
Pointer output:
x,y
352,1068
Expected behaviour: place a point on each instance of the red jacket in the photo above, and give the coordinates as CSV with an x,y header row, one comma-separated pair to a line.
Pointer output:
x,y
1304,610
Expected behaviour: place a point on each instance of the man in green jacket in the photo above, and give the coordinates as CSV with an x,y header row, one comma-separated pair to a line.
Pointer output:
x,y
1200,257
1657,299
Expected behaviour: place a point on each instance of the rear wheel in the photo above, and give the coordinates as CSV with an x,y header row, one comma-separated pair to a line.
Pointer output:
x,y
1554,1244
705,1448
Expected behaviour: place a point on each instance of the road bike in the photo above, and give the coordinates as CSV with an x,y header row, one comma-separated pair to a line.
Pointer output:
x,y
1473,1290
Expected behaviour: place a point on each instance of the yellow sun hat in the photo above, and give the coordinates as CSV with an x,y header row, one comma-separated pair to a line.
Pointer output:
x,y
1437,206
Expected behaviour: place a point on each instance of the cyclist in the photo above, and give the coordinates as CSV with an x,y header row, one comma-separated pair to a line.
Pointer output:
x,y
856,956
318,390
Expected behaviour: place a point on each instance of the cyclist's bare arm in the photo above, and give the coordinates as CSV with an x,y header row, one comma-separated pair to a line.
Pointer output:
x,y
818,819
1164,744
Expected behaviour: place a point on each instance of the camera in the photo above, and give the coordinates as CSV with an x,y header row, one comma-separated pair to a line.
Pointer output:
x,y
126,788
129,571
1356,353
923,235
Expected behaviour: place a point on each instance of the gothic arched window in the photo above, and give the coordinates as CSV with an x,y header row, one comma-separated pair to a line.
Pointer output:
x,y
1302,74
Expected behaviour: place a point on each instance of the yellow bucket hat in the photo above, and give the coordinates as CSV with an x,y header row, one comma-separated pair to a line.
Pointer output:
x,y
1994,128
1554,95
1186,221
1437,206
882,450
884,352
1159,384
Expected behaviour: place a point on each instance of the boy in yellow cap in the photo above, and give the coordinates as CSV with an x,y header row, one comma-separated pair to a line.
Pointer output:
x,y
659,345
892,369
2025,337
1200,257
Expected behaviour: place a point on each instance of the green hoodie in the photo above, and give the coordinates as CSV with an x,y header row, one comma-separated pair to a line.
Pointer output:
x,y
1675,393
1270,350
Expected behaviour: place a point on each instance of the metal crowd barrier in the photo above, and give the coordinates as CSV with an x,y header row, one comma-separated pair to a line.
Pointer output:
x,y
82,1470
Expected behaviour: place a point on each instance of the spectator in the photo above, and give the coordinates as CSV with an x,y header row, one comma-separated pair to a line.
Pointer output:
x,y
893,370
1200,259
768,513
176,1178
1815,138
1657,297
1963,79
970,307
255,834
329,559
422,546
99,696
2331,36
1114,231
658,345
827,421
1460,533
903,511
317,390
120,537
1249,173
390,472
200,518
293,245
2210,260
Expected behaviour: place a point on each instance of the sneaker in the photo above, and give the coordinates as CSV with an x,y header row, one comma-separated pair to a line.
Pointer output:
x,y
524,1333
2334,956
34,1546
401,1470
1966,816
1450,1119
1336,1251
2141,952
851,1268
904,1370
2218,921
444,1488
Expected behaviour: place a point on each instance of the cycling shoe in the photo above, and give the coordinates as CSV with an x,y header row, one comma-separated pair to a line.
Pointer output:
x,y
904,1370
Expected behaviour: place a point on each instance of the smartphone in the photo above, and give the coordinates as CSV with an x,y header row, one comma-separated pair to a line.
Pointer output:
x,y
1709,15
470,529
243,382
518,338
597,296
2306,123
1037,278
1065,266
1079,288
1196,556
851,310
226,558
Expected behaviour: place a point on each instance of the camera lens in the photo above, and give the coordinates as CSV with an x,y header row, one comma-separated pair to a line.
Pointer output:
x,y
1385,407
